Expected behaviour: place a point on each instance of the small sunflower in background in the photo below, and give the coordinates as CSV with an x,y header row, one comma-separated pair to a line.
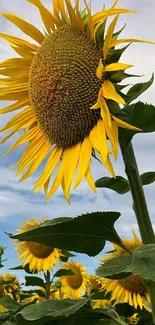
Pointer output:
x,y
39,256
129,289
74,286
63,85
95,286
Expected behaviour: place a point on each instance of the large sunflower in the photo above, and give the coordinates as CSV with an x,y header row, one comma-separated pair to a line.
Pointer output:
x,y
38,256
62,84
73,286
130,289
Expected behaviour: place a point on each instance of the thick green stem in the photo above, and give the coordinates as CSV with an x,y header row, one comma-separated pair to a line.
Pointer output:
x,y
140,206
48,284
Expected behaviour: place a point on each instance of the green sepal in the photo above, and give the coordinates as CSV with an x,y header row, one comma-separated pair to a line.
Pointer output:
x,y
120,75
99,36
115,54
115,35
114,107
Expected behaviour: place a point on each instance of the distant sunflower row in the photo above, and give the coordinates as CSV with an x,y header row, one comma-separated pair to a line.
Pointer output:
x,y
40,257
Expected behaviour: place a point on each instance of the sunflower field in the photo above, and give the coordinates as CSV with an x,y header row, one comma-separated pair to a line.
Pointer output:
x,y
69,107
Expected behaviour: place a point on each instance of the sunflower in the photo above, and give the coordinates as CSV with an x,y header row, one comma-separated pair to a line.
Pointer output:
x,y
129,289
12,281
62,84
93,286
38,256
73,286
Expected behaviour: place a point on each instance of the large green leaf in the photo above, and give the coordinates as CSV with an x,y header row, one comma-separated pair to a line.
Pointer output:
x,y
83,234
50,309
118,184
143,262
115,268
25,268
140,115
9,304
34,281
136,90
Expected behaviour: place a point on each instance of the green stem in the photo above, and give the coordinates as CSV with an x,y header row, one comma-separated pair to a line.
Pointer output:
x,y
127,249
48,284
115,318
140,206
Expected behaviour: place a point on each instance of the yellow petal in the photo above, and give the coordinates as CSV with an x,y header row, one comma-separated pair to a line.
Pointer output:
x,y
48,170
57,181
62,8
16,63
90,22
71,13
99,71
19,42
70,160
98,139
105,113
23,52
80,22
135,304
15,106
139,300
48,19
117,66
129,40
84,160
108,37
109,92
90,179
113,137
25,27
125,125
102,15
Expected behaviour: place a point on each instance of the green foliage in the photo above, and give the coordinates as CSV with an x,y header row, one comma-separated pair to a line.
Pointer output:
x,y
99,36
83,234
136,90
143,262
115,54
119,76
115,108
25,268
63,272
140,115
118,184
148,178
49,309
34,281
115,268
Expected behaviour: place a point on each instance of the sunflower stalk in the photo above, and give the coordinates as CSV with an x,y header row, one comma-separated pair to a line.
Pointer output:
x,y
48,284
140,205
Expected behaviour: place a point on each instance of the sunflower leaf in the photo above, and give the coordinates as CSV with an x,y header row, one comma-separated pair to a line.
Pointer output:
x,y
148,178
118,184
115,268
11,304
49,309
143,262
140,115
138,89
114,107
63,272
25,268
83,234
34,281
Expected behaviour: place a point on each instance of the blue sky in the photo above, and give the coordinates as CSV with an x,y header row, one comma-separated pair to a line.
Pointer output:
x,y
17,201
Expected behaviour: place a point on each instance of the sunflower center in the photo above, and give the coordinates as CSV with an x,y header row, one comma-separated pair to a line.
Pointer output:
x,y
63,86
75,280
39,250
133,283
